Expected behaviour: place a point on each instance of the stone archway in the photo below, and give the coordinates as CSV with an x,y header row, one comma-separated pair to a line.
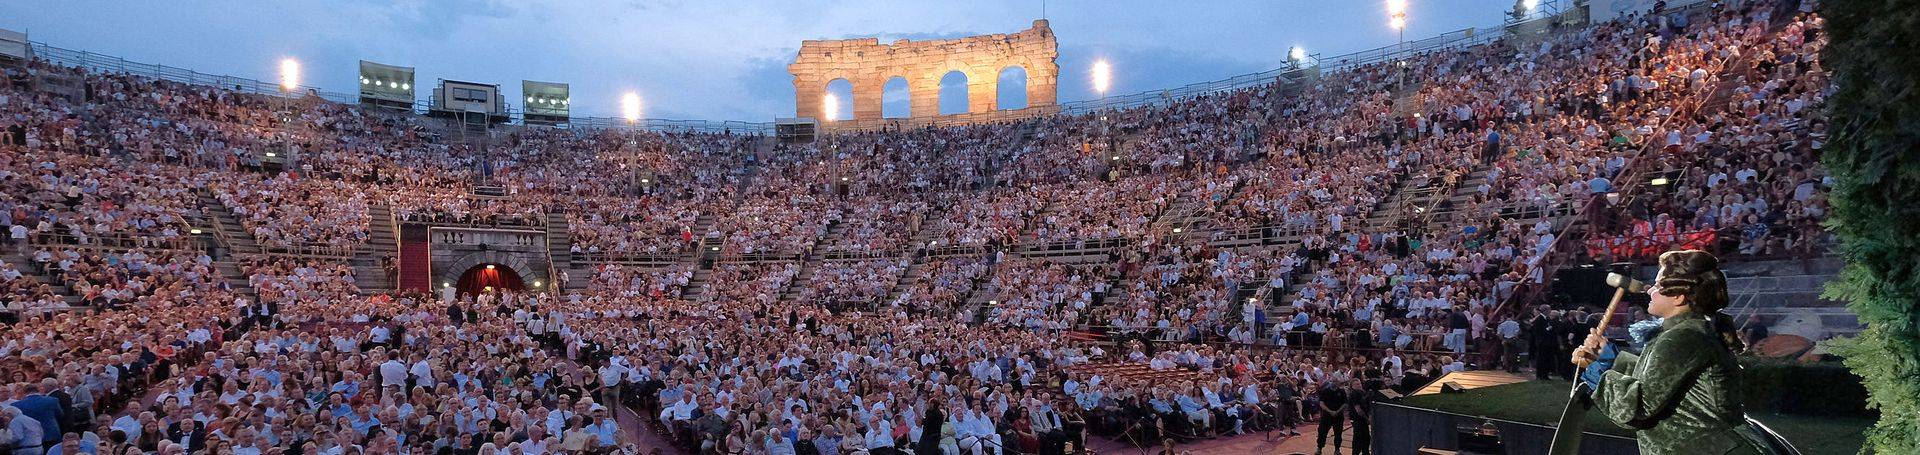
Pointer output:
x,y
868,65
1010,80
534,274
483,278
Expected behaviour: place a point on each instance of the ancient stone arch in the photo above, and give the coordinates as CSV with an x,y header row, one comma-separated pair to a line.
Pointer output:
x,y
868,64
528,270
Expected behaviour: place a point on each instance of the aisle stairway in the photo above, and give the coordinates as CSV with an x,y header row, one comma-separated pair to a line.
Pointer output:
x,y
1785,295
370,259
560,247
236,279
21,261
810,262
233,236
704,256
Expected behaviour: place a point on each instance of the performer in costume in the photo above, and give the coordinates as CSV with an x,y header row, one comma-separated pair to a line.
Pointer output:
x,y
1680,391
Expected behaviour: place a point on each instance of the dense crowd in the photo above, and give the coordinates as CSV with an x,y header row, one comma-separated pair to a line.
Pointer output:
x,y
975,289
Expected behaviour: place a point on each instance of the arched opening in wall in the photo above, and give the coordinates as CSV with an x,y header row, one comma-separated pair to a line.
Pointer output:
x,y
953,93
1013,89
490,277
896,100
837,103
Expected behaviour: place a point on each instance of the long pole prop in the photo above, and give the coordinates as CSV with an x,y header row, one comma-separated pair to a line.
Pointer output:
x,y
1573,419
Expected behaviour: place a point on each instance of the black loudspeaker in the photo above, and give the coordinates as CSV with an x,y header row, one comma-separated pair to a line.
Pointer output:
x,y
1483,439
1474,443
1451,387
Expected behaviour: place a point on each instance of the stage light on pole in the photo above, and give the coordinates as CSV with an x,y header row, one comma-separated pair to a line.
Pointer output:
x,y
630,107
289,74
1527,6
1397,17
1297,54
830,107
1102,77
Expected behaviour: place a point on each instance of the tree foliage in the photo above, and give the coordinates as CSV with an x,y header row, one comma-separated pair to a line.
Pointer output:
x,y
1874,156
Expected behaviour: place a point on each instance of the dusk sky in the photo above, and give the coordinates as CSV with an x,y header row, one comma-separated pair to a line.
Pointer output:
x,y
716,60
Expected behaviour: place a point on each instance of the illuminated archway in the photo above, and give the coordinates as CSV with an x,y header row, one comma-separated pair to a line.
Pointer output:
x,y
840,106
484,277
868,64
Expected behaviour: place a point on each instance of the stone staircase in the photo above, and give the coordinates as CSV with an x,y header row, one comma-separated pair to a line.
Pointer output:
x,y
696,288
1385,216
236,279
232,235
1784,295
810,262
560,248
370,259
990,177
22,262
909,277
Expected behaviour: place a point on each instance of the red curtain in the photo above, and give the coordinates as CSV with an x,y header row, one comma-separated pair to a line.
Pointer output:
x,y
498,277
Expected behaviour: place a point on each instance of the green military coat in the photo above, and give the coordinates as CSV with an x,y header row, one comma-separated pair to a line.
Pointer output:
x,y
1680,393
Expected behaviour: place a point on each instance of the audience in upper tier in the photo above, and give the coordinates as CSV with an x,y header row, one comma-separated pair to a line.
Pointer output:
x,y
1198,267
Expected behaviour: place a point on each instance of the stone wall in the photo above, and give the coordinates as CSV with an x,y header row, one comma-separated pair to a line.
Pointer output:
x,y
457,249
868,65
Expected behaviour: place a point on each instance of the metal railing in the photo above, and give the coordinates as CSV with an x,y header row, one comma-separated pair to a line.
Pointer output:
x,y
115,65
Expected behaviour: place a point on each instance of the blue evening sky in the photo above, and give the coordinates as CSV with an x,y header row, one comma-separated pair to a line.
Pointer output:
x,y
718,59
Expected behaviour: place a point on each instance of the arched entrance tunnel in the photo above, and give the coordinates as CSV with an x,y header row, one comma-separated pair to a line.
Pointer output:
x,y
490,277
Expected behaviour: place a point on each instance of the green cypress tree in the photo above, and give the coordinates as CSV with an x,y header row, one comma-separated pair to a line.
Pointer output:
x,y
1874,156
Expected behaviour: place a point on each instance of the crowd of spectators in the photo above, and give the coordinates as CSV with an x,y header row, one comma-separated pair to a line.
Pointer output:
x,y
1293,296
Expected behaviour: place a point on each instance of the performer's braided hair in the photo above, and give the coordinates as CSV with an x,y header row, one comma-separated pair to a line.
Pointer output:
x,y
1696,275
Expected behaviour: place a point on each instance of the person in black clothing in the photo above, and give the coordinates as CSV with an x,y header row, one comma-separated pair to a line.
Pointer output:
x,y
1073,427
1570,328
1359,398
1333,412
190,433
929,443
1286,403
1545,340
